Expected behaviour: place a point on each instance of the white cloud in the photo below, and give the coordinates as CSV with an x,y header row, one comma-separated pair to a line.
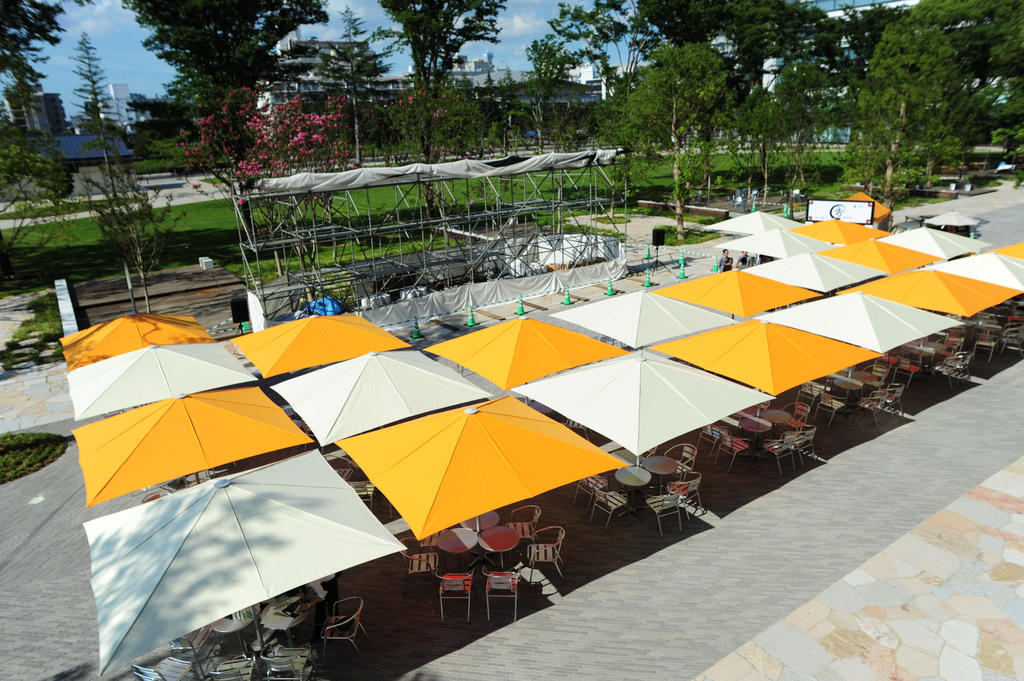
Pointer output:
x,y
522,25
99,19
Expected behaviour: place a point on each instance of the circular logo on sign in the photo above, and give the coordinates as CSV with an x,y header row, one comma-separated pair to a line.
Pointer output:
x,y
838,211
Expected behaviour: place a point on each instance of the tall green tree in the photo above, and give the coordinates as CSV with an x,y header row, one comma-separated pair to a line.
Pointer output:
x,y
434,31
25,26
354,66
220,46
550,64
676,102
759,136
93,99
802,94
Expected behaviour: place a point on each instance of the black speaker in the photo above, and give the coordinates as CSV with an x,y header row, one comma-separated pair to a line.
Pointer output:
x,y
658,237
239,310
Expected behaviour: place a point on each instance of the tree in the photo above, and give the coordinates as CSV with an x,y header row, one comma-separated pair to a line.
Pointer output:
x,y
93,100
130,223
802,95
219,46
435,31
549,78
907,90
677,101
24,25
33,187
353,64
760,134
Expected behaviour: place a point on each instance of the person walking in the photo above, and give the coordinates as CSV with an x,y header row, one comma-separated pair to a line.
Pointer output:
x,y
722,259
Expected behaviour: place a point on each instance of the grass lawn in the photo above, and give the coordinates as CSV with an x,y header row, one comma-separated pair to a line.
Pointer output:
x,y
24,453
43,329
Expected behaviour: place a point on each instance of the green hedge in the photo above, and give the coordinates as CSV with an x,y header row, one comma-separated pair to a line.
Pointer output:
x,y
24,453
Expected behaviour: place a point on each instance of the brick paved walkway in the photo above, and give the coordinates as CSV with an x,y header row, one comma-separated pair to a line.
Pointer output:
x,y
631,604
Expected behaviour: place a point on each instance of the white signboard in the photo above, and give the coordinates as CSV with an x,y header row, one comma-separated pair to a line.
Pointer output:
x,y
860,212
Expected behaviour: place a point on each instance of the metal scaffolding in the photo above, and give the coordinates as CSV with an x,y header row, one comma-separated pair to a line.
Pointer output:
x,y
389,241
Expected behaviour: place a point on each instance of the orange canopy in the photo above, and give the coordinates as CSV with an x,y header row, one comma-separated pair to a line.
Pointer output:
x,y
839,232
737,292
128,333
881,256
881,212
441,469
771,357
176,437
1014,251
938,291
312,341
521,350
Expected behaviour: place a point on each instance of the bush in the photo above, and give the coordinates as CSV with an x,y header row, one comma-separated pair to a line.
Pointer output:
x,y
24,453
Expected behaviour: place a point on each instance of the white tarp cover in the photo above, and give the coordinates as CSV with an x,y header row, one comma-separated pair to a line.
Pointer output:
x,y
459,298
993,268
642,399
755,223
454,170
374,390
778,243
952,219
173,565
859,319
641,318
814,272
151,374
935,242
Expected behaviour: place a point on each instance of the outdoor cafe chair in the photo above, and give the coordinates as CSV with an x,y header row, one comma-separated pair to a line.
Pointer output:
x,y
904,367
801,411
502,585
344,622
524,521
456,586
666,505
1013,338
419,562
194,647
987,340
288,667
365,489
782,447
880,370
875,403
810,393
169,669
588,486
607,502
710,435
235,669
687,488
685,455
804,445
730,444
547,552
831,405
957,367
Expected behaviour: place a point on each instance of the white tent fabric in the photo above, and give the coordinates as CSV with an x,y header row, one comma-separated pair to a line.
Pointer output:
x,y
993,268
642,399
465,169
863,320
815,272
935,242
641,318
778,243
374,390
756,223
952,219
151,374
170,566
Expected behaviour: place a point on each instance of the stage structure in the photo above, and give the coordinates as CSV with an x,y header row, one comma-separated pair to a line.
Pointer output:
x,y
383,240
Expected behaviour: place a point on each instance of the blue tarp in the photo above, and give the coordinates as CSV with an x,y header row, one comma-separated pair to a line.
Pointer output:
x,y
327,305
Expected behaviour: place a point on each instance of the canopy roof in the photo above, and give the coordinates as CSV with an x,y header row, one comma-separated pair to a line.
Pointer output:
x,y
863,320
441,469
162,569
1014,251
755,223
415,172
176,437
885,257
131,332
938,291
641,318
811,271
839,232
641,400
935,242
994,268
374,390
521,350
952,219
736,292
771,357
778,243
881,212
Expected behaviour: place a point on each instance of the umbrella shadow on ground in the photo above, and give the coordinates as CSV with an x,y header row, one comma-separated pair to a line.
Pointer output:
x,y
77,673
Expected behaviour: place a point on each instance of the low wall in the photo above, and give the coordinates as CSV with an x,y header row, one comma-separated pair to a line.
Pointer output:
x,y
693,210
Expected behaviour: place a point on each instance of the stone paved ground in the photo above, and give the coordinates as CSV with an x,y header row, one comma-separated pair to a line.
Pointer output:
x,y
631,604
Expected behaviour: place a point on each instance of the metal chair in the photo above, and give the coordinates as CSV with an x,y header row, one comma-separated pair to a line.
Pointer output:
x,y
830,404
456,586
1013,337
419,562
957,367
874,403
344,623
904,367
685,455
502,585
193,646
687,488
169,669
288,667
365,489
734,445
782,447
801,413
810,393
549,552
607,502
712,436
987,340
236,669
524,521
665,505
588,486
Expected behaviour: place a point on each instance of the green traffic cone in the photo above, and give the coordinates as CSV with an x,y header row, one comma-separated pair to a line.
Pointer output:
x,y
470,321
647,279
682,267
567,300
520,309
610,291
714,264
648,256
416,335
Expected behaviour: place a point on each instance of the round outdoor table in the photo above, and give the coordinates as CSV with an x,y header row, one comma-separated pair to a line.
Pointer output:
x,y
232,625
456,540
633,478
659,465
752,426
844,383
498,539
776,416
866,377
481,522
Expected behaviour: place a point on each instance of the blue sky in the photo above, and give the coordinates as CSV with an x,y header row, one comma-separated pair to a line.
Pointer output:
x,y
118,40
